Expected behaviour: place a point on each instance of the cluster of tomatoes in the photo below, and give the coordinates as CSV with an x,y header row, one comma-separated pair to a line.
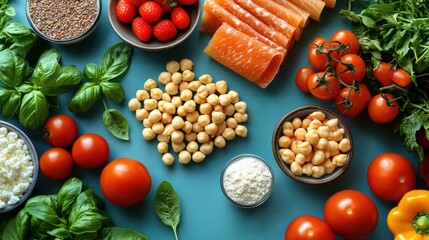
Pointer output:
x,y
337,72
123,181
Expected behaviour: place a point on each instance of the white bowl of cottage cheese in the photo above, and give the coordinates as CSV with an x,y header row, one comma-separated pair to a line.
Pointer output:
x,y
18,167
247,181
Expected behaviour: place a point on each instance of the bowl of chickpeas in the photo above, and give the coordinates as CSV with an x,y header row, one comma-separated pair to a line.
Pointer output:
x,y
312,145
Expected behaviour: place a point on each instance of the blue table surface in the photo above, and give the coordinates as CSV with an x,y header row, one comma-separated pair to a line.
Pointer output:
x,y
206,213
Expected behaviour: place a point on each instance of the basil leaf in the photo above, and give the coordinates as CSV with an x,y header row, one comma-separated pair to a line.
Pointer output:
x,y
47,68
25,88
39,229
167,205
87,95
113,91
11,106
60,233
116,123
92,72
85,216
67,195
69,77
13,68
114,233
44,208
20,39
115,61
17,227
34,110
5,94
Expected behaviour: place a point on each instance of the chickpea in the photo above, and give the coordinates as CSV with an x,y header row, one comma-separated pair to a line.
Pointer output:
x,y
299,134
219,142
318,157
166,97
318,171
149,84
333,148
178,147
142,95
213,99
231,123
184,157
186,64
187,127
164,78
284,142
147,123
141,114
339,160
220,128
192,116
329,167
317,115
307,169
296,122
183,86
224,99
315,124
155,116
172,66
337,135
191,136
134,104
304,147
162,147
161,105
181,111
156,93
166,118
221,87
186,95
176,101
172,88
344,145
150,104
294,146
322,143
177,122
176,78
218,108
148,134
211,129
168,130
167,159
327,153
177,136
287,129
205,79
163,138
288,156
204,120
306,123
235,97
199,100
211,88
323,131
188,75
312,136
300,158
169,108
202,91
296,169
192,147
196,127
190,106
218,117
158,128
207,148
241,131
332,123
229,110
206,108
244,117
228,134
203,137
194,85
198,157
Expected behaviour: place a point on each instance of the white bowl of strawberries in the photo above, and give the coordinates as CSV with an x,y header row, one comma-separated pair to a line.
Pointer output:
x,y
154,25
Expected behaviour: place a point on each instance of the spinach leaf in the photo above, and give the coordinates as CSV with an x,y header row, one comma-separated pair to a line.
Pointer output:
x,y
114,233
44,208
13,68
47,68
67,195
113,91
116,123
85,97
11,105
92,72
167,206
115,61
69,77
34,110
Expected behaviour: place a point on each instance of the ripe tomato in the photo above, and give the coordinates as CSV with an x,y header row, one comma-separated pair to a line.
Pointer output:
x,y
347,74
350,103
323,88
319,60
382,111
56,163
351,214
90,151
125,181
384,73
347,37
308,227
364,91
390,176
60,130
301,78
401,78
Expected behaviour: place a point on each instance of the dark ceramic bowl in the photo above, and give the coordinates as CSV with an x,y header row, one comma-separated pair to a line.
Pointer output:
x,y
302,113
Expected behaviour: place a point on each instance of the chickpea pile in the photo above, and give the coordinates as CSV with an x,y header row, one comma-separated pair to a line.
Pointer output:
x,y
314,146
192,115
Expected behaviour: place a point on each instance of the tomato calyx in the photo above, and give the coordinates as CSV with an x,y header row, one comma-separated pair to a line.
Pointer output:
x,y
421,223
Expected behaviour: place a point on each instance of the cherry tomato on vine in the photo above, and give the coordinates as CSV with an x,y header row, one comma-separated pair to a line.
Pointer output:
x,y
390,176
382,111
384,73
125,181
364,91
354,68
308,227
60,130
350,103
347,37
301,78
401,78
351,214
323,86
56,163
319,60
90,151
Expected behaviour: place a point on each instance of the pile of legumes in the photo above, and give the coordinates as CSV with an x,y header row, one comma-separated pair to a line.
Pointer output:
x,y
314,146
194,115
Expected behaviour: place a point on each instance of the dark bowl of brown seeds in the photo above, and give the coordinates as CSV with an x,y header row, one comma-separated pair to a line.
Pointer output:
x,y
63,21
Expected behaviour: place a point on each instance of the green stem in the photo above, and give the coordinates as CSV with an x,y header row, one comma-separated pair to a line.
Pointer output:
x,y
421,223
175,234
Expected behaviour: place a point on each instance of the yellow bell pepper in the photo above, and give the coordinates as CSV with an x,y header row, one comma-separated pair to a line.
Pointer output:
x,y
410,219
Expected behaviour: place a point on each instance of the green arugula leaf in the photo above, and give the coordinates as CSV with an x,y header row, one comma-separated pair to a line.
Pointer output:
x,y
116,123
34,110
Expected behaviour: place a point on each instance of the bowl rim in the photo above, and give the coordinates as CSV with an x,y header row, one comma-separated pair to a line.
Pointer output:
x,y
237,158
76,39
114,23
34,158
286,167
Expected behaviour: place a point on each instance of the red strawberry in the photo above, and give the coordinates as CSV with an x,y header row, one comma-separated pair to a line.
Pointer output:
x,y
187,2
142,29
136,3
164,30
150,11
180,18
125,11
166,5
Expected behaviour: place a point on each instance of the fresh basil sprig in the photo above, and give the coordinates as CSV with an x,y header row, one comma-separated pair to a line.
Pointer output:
x,y
100,82
167,206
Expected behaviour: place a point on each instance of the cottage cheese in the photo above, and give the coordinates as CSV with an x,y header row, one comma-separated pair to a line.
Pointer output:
x,y
16,167
247,181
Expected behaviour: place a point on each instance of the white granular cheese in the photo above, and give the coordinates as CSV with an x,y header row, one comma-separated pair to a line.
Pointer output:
x,y
16,167
247,180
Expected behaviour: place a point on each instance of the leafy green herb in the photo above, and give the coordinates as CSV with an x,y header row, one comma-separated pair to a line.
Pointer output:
x,y
113,64
167,206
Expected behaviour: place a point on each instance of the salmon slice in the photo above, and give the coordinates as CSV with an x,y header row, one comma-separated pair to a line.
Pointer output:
x,y
217,15
330,3
254,22
294,8
282,12
314,7
251,59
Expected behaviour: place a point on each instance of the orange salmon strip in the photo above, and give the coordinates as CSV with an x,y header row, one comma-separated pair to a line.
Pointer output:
x,y
282,12
209,22
291,6
330,3
251,59
314,7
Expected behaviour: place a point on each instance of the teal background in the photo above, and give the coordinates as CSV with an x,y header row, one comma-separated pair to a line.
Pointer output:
x,y
206,213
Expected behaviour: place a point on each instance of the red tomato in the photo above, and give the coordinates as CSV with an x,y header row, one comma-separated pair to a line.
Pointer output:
x,y
323,88
355,71
401,78
56,163
351,214
308,227
60,130
384,73
301,78
347,37
125,181
364,91
90,151
382,111
319,60
390,176
350,103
